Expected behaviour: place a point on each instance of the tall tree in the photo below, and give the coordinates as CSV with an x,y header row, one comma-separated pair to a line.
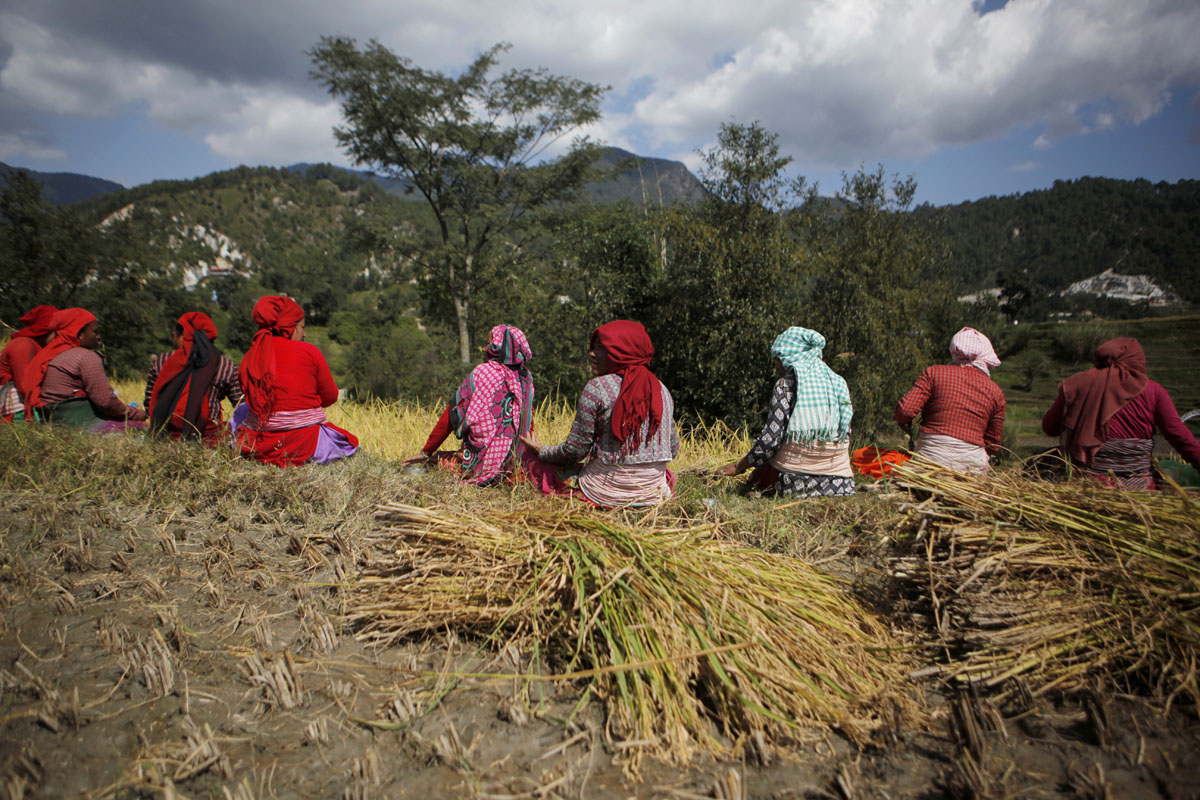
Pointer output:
x,y
473,147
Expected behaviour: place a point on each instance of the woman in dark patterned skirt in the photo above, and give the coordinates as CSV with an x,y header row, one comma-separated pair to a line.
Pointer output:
x,y
804,447
1106,418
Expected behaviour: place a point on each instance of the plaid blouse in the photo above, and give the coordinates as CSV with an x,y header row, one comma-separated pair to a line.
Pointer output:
x,y
956,400
591,432
79,372
225,384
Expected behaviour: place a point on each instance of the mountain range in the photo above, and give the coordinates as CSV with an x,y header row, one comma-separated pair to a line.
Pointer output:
x,y
64,188
1048,239
641,180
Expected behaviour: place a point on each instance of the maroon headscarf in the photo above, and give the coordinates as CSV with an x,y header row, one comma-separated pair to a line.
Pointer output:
x,y
1092,397
190,366
37,322
276,316
66,325
630,350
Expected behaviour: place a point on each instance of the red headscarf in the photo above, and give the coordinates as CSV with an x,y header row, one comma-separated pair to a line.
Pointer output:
x,y
1092,397
193,355
630,350
37,322
66,325
275,316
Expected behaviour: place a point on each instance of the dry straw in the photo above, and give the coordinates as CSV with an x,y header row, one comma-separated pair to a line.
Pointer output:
x,y
1061,584
692,642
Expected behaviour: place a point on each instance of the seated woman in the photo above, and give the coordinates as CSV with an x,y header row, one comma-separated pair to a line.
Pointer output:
x,y
66,380
804,447
624,427
33,335
1106,418
961,407
287,386
490,410
185,387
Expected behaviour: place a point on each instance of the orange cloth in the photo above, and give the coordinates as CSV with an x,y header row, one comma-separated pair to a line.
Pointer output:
x,y
875,462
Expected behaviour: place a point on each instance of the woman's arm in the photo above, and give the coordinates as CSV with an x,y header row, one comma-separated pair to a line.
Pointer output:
x,y
1052,421
584,430
911,404
1174,430
152,378
327,389
995,429
100,392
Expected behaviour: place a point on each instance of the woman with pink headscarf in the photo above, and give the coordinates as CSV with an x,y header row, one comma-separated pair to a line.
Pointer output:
x,y
1107,415
961,407
287,386
490,411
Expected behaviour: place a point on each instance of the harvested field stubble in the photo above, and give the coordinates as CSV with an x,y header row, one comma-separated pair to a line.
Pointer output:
x,y
686,637
1060,584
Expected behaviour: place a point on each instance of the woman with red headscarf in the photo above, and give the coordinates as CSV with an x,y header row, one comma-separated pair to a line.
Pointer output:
x,y
1106,418
66,383
185,387
287,386
33,335
624,427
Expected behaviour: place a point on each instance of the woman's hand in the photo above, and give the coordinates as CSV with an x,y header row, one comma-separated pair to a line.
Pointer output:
x,y
136,414
530,440
729,470
417,459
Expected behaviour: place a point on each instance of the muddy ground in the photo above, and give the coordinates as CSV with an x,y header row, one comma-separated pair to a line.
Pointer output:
x,y
200,654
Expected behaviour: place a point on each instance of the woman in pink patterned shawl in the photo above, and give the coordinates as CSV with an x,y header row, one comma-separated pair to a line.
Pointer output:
x,y
490,410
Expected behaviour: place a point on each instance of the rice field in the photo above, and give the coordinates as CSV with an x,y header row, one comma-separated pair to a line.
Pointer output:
x,y
364,630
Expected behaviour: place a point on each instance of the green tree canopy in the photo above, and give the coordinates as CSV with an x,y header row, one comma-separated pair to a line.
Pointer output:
x,y
473,147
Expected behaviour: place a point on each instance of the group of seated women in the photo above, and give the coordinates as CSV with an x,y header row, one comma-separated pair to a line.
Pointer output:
x,y
50,372
1105,417
623,436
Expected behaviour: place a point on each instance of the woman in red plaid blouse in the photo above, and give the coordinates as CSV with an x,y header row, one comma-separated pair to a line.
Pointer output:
x,y
961,407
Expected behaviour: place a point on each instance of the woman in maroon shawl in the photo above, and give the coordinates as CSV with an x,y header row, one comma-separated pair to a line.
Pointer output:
x,y
186,386
287,386
1106,418
33,335
624,429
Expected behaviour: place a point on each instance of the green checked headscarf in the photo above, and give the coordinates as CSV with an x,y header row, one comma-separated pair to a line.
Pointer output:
x,y
822,412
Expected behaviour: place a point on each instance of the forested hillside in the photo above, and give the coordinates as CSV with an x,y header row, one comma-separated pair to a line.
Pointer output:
x,y
714,277
1076,229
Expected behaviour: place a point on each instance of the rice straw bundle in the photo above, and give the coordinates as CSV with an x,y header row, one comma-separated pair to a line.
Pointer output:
x,y
1059,582
674,629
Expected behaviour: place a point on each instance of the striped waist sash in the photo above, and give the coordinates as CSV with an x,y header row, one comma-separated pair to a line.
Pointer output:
x,y
286,420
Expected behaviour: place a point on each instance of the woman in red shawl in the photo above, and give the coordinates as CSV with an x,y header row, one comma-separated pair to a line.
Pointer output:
x,y
186,386
66,384
33,335
624,427
287,386
1106,418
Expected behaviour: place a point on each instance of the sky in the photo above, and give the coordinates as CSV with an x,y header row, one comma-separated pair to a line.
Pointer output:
x,y
971,97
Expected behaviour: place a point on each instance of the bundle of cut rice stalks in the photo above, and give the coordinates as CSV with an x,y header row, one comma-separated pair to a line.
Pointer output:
x,y
693,643
1061,584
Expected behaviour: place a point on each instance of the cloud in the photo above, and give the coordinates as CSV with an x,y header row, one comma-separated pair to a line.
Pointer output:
x,y
841,81
270,128
1028,166
16,146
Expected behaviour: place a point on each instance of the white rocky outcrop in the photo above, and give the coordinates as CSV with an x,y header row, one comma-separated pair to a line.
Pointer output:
x,y
1130,288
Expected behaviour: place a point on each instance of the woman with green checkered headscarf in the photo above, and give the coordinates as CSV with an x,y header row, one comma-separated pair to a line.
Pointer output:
x,y
804,447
